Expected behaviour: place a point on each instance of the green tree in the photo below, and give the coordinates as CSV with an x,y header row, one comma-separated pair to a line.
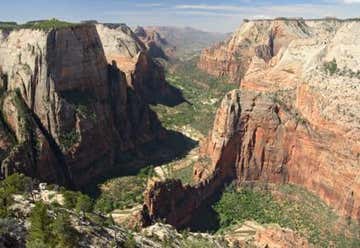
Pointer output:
x,y
84,204
5,201
40,232
331,67
14,184
65,235
130,242
70,199
104,204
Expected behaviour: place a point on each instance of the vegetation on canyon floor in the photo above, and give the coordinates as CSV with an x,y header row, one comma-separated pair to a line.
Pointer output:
x,y
127,192
123,192
291,207
203,94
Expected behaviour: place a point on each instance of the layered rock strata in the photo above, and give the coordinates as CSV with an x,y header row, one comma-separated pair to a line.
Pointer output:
x,y
67,111
264,39
144,75
294,120
157,46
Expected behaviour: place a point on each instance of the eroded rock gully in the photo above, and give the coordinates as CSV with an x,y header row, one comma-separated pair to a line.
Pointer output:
x,y
74,100
291,121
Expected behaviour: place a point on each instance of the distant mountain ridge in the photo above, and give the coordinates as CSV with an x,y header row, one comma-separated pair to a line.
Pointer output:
x,y
185,40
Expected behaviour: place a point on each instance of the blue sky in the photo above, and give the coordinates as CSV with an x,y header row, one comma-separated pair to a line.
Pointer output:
x,y
210,15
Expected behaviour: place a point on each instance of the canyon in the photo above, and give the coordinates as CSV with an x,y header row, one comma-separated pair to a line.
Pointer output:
x,y
293,120
83,102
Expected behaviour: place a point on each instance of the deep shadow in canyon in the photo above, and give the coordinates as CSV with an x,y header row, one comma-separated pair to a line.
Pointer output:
x,y
172,147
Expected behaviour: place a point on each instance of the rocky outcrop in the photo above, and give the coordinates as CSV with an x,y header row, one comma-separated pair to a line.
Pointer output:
x,y
12,233
68,109
173,202
157,46
144,75
252,234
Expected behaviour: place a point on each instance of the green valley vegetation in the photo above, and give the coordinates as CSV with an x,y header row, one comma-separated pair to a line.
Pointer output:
x,y
185,174
123,192
292,207
202,92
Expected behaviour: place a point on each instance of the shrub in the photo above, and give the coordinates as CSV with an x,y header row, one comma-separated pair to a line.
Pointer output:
x,y
69,139
84,204
14,184
70,199
130,242
78,201
331,67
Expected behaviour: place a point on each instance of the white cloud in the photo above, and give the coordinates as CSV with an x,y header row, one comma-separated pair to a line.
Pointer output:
x,y
351,1
289,10
148,4
209,7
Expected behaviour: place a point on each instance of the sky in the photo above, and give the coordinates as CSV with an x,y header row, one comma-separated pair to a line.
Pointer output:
x,y
211,15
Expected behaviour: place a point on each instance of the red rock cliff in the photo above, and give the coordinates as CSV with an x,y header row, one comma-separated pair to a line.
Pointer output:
x,y
264,39
76,113
294,120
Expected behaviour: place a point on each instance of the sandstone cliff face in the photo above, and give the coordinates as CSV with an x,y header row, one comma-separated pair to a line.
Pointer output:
x,y
294,120
67,104
263,38
144,75
262,140
321,153
157,46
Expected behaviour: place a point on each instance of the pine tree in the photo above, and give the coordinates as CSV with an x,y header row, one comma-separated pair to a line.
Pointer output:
x,y
16,183
65,235
40,232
